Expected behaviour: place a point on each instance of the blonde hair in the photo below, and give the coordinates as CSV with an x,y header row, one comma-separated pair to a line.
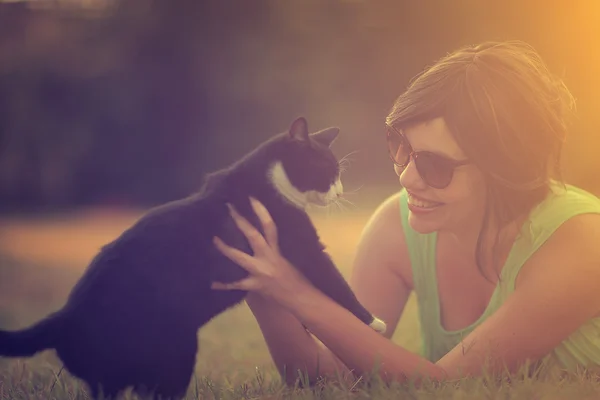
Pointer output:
x,y
507,112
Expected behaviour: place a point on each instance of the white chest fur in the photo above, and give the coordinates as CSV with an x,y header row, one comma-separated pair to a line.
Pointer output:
x,y
281,182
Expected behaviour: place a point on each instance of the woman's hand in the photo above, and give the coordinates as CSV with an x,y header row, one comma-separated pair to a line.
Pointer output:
x,y
270,274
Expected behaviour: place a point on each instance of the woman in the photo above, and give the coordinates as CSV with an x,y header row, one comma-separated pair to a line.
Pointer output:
x,y
503,257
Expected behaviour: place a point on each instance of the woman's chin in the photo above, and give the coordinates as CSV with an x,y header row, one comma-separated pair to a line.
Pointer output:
x,y
423,224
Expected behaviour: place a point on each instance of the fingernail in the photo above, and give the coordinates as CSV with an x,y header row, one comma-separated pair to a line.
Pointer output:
x,y
230,207
256,205
253,203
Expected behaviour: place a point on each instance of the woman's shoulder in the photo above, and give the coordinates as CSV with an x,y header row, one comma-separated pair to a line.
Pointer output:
x,y
564,203
383,235
569,197
565,228
571,248
386,219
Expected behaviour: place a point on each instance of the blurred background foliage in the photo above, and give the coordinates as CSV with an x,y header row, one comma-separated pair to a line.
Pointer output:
x,y
131,102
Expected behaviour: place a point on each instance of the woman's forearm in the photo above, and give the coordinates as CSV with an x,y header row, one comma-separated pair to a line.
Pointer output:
x,y
292,348
338,329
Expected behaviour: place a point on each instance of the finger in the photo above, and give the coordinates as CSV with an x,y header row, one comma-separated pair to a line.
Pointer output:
x,y
256,240
244,260
267,222
244,284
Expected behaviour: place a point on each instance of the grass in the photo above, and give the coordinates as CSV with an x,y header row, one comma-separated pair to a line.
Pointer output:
x,y
41,258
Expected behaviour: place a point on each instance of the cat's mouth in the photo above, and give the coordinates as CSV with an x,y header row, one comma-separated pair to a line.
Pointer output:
x,y
318,199
324,199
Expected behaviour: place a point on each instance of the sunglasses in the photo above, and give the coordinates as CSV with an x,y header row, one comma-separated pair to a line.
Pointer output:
x,y
435,170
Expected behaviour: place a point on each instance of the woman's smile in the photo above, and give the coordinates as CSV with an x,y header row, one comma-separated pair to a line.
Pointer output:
x,y
420,205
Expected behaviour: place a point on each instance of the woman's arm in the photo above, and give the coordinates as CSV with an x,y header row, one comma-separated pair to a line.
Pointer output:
x,y
381,274
293,350
556,293
379,281
359,347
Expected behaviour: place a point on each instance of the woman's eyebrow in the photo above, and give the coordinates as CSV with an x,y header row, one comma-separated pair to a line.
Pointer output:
x,y
439,152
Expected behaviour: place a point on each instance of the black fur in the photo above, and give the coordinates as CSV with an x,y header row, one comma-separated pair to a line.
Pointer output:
x,y
132,319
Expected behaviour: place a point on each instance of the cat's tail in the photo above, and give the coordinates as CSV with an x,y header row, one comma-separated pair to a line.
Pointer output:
x,y
26,342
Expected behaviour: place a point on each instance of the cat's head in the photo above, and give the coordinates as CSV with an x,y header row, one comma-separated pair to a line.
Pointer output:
x,y
307,172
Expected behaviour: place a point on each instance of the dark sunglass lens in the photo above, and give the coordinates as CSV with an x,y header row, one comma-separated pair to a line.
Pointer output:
x,y
398,149
436,171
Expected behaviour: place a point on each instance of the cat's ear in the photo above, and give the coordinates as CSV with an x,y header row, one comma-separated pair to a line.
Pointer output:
x,y
326,136
299,130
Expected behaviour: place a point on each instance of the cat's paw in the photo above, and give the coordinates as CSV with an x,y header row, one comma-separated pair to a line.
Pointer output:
x,y
378,325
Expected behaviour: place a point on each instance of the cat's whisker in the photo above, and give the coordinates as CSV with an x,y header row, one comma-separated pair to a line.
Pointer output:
x,y
347,208
329,208
347,156
345,161
339,206
347,202
344,165
353,191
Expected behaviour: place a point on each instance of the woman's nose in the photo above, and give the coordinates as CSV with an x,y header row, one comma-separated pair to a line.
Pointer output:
x,y
409,177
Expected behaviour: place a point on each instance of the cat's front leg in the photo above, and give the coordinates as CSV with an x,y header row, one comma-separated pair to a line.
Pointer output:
x,y
318,267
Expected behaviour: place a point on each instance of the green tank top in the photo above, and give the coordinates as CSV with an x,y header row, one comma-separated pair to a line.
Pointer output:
x,y
581,348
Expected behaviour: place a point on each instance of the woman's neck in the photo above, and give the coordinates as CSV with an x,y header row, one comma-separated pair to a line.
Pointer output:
x,y
496,242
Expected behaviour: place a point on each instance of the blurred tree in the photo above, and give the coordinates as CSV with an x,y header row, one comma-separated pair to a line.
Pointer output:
x,y
133,102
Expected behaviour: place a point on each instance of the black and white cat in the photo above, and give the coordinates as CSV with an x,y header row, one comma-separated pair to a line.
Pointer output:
x,y
132,319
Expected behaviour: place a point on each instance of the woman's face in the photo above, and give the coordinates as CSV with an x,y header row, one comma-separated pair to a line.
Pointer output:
x,y
455,208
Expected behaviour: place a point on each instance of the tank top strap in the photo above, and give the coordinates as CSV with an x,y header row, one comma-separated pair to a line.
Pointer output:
x,y
422,254
561,205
